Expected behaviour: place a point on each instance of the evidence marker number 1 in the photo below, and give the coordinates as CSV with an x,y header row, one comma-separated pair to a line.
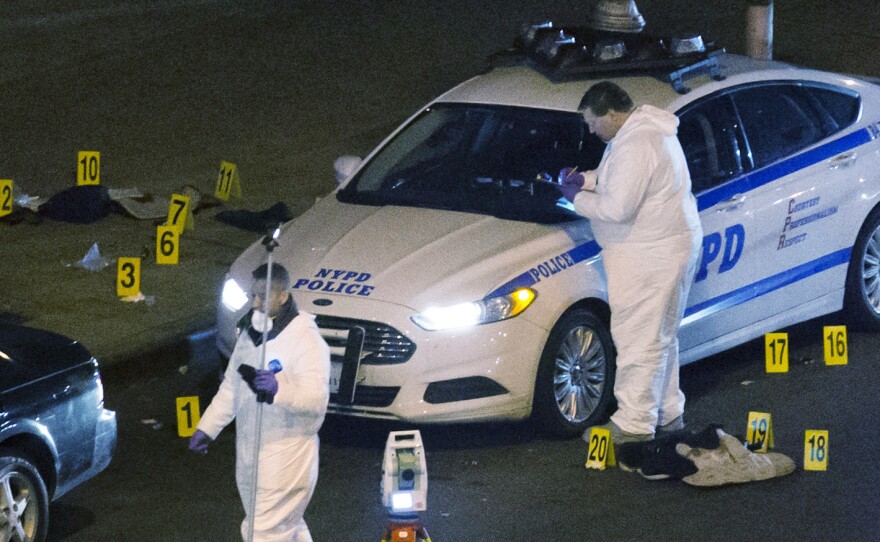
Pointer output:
x,y
188,415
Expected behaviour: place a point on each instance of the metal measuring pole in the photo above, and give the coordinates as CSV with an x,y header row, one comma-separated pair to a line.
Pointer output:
x,y
270,242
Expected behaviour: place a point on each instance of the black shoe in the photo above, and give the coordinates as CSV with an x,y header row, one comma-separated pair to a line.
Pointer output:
x,y
658,459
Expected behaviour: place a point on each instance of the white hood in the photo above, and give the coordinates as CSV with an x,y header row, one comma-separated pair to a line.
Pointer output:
x,y
649,118
643,190
413,257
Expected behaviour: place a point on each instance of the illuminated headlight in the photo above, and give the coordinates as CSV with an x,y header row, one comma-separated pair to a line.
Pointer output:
x,y
483,311
233,296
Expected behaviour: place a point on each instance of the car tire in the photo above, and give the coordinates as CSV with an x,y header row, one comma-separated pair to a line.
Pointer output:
x,y
574,386
862,299
27,517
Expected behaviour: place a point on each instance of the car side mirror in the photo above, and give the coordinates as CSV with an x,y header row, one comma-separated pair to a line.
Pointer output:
x,y
345,166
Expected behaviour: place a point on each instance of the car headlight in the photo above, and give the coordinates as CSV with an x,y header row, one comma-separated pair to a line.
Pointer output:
x,y
233,296
474,313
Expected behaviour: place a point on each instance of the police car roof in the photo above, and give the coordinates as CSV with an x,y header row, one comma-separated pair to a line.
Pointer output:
x,y
522,85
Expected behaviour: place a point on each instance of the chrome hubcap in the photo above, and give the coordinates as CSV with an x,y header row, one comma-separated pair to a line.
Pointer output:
x,y
18,510
871,271
579,377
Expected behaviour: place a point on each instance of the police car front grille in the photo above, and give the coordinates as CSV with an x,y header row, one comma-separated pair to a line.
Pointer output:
x,y
375,396
382,343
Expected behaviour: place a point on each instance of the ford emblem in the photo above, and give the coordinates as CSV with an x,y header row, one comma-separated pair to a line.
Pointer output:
x,y
322,302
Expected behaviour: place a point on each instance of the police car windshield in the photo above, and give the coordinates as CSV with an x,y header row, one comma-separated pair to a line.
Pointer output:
x,y
493,160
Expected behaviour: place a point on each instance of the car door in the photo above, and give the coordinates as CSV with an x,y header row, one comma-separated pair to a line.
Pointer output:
x,y
800,186
714,147
771,180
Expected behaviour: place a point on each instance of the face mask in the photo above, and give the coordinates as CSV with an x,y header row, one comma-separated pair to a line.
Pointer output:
x,y
261,322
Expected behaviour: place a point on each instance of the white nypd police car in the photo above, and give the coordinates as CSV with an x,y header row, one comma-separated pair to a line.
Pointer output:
x,y
453,284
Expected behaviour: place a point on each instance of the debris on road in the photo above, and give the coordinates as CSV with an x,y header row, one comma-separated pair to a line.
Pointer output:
x,y
93,261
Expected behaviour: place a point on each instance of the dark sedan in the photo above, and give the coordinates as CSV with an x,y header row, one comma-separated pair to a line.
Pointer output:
x,y
54,430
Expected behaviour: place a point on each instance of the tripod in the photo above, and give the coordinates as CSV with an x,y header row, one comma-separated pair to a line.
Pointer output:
x,y
405,528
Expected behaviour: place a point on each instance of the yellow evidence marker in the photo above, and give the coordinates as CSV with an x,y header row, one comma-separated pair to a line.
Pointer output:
x,y
600,449
227,182
5,196
816,449
835,345
179,213
167,245
759,433
776,352
188,415
128,276
88,168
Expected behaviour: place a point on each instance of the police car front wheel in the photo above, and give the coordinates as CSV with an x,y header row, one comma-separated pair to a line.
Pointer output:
x,y
575,380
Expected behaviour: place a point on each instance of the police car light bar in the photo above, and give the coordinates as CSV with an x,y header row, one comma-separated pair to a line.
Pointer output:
x,y
564,53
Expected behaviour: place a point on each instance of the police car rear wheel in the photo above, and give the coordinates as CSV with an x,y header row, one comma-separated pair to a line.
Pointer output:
x,y
862,307
575,380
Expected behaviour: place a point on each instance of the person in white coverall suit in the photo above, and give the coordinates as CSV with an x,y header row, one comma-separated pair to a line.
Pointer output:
x,y
294,403
645,218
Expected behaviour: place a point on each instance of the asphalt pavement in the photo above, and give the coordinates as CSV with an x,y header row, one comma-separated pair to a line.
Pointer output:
x,y
506,481
166,90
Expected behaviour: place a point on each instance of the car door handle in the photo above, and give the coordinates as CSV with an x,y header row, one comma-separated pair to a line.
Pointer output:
x,y
731,204
844,160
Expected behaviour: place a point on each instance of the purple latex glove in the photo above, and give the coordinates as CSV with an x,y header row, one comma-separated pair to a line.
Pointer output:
x,y
266,385
571,182
567,172
199,441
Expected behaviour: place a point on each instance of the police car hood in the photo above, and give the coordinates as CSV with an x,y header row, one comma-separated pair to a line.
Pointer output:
x,y
414,257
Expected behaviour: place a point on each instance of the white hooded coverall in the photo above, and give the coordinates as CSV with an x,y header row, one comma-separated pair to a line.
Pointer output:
x,y
288,462
645,218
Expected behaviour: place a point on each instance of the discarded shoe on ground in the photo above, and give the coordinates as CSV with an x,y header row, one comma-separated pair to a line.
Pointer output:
x,y
709,457
732,463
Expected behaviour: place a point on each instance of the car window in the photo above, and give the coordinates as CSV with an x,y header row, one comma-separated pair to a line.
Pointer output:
x,y
708,135
839,108
781,119
483,159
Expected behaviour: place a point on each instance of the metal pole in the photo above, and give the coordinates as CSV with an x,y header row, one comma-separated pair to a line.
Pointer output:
x,y
759,29
270,243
